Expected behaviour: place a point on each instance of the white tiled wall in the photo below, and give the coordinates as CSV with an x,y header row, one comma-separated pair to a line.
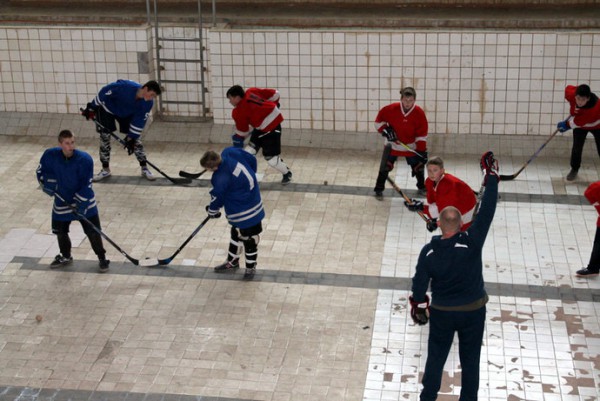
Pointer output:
x,y
59,69
332,82
467,82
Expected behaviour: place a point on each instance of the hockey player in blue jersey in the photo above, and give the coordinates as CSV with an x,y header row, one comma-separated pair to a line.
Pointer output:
x,y
235,188
129,103
68,172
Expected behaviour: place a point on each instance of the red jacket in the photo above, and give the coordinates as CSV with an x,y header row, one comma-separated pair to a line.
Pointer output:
x,y
410,127
258,109
587,117
592,194
450,191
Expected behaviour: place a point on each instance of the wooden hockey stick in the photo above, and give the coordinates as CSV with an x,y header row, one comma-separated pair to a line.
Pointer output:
x,y
408,200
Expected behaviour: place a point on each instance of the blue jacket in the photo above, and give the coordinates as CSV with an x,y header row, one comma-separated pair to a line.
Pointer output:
x,y
453,265
118,98
235,187
73,177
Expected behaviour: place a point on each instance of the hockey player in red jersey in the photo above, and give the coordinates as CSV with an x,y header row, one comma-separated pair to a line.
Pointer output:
x,y
404,126
584,118
256,114
444,190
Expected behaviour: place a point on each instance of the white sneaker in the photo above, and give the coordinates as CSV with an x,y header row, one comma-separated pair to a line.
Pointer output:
x,y
147,174
101,175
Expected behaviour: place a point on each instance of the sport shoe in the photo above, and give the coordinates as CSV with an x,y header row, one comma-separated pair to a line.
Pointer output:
x,y
287,178
586,272
60,261
249,274
379,195
103,265
101,175
422,191
226,267
147,174
572,175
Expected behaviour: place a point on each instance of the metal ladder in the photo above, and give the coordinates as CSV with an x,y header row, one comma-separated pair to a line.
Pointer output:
x,y
184,87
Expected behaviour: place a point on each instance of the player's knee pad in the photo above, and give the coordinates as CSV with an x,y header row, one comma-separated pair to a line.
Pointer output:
x,y
251,243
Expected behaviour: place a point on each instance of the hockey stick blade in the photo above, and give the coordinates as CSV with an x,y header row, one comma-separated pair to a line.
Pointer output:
x,y
191,175
148,262
164,262
176,181
507,177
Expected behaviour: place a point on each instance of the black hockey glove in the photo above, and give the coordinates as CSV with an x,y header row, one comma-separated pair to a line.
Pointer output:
x,y
489,166
414,205
212,213
432,225
90,111
419,311
389,134
129,145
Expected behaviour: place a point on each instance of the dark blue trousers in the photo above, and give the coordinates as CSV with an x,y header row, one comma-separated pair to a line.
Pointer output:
x,y
443,325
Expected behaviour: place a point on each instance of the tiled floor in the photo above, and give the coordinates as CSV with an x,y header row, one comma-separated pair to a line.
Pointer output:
x,y
326,317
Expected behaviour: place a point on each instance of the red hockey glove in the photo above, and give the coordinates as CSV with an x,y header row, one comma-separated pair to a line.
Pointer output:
x,y
419,311
489,166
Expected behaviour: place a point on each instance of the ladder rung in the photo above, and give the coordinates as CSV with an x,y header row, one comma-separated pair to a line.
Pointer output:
x,y
179,81
180,39
179,102
179,60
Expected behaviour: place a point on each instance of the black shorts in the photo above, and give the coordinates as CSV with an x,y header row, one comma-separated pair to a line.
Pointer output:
x,y
250,231
108,121
269,142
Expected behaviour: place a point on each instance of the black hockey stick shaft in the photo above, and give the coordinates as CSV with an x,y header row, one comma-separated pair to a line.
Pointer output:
x,y
170,258
407,199
537,152
191,175
82,217
122,142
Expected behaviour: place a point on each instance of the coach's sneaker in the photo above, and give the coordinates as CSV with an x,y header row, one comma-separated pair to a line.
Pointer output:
x,y
422,191
249,274
586,272
227,267
572,175
287,178
147,174
103,265
60,260
105,172
379,195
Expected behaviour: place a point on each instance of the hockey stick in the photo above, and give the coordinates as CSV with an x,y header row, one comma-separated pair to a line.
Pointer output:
x,y
176,181
191,175
405,146
407,199
82,217
537,152
155,262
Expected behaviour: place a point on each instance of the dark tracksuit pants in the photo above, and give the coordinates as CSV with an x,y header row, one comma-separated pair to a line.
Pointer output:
x,y
443,324
594,264
579,136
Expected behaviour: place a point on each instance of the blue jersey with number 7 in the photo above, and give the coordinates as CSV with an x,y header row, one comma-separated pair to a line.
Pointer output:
x,y
235,188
